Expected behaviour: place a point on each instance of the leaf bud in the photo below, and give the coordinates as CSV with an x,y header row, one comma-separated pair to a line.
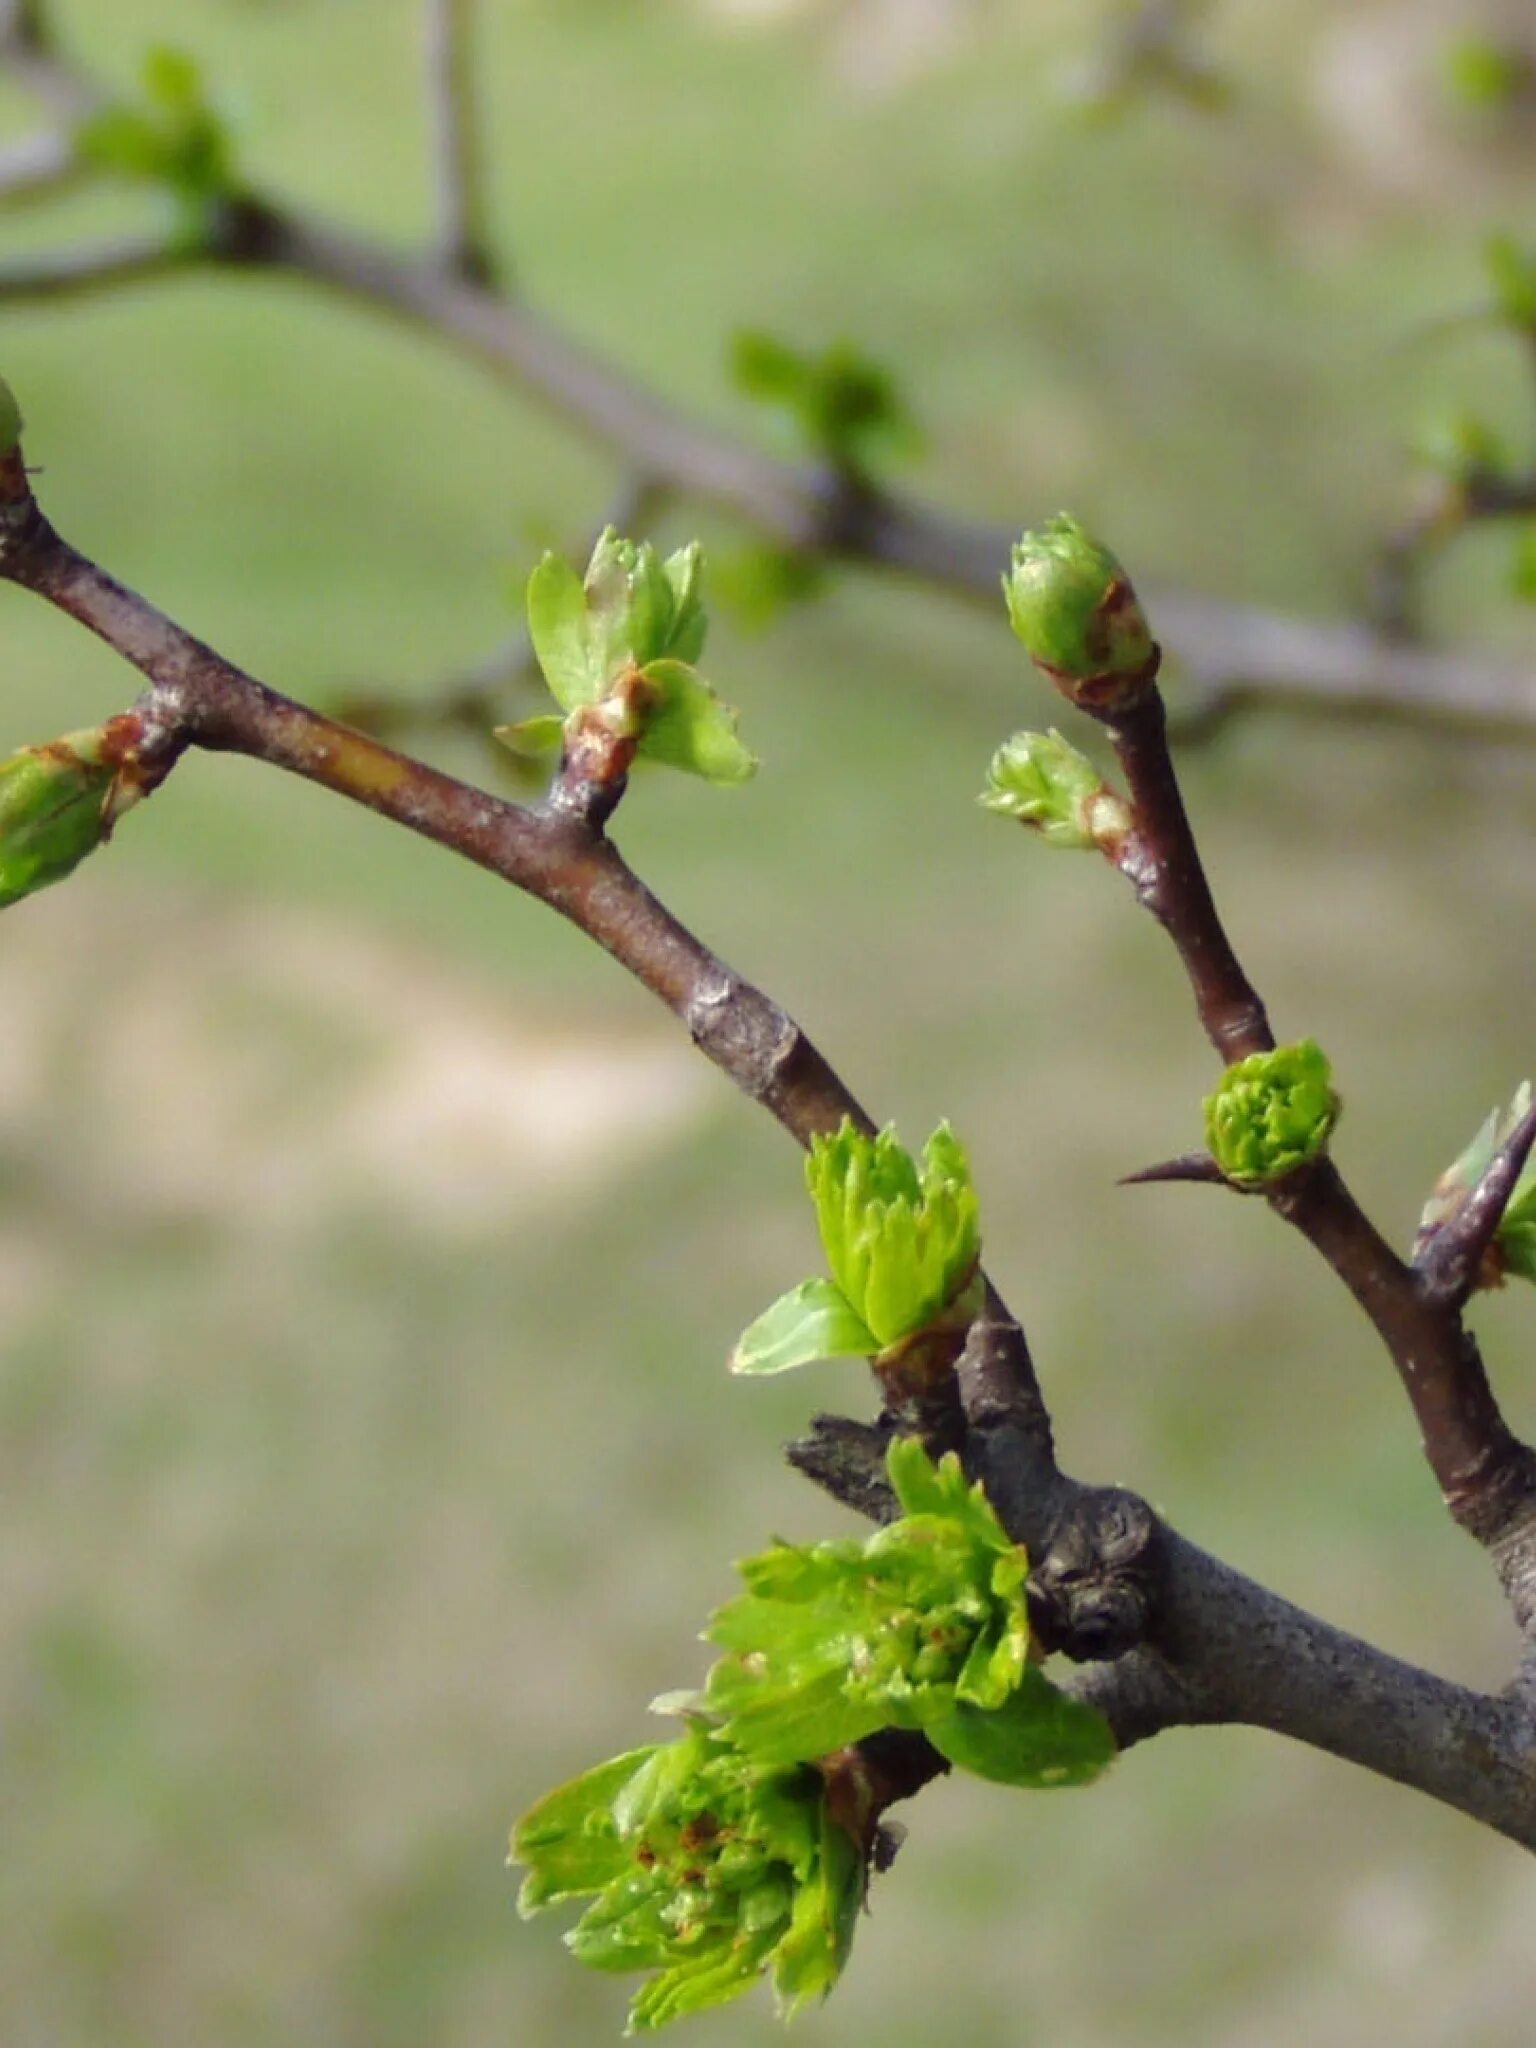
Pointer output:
x,y
59,802
1074,608
1043,781
1271,1114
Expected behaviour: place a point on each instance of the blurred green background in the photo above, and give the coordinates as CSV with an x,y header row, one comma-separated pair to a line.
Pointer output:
x,y
370,1249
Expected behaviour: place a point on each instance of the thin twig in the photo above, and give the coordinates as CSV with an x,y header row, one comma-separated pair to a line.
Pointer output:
x,y
70,272
463,224
1487,1476
1255,655
1450,1263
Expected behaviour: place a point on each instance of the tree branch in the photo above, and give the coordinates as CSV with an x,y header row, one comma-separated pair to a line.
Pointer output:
x,y
1227,1650
1213,1646
1241,655
1486,1474
92,266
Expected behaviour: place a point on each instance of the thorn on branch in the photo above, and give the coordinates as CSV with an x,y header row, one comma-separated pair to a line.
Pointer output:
x,y
1188,1166
1453,1261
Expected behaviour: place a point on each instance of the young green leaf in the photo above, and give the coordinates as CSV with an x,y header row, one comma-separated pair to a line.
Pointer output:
x,y
533,738
622,643
846,407
1038,1738
1514,1245
812,1321
688,726
173,136
561,636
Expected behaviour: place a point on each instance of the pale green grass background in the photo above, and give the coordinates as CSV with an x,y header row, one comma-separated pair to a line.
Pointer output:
x,y
370,1249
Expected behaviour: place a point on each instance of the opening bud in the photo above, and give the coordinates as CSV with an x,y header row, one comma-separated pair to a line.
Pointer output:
x,y
1272,1113
1043,781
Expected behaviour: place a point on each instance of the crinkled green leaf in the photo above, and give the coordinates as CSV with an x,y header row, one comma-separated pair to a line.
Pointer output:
x,y
834,1640
812,1321
689,727
811,1956
707,1868
1043,781
629,603
1037,1738
559,629
568,1841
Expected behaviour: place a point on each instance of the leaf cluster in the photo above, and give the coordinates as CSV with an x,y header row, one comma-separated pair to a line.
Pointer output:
x,y
621,645
741,1849
708,1869
173,136
922,1625
846,407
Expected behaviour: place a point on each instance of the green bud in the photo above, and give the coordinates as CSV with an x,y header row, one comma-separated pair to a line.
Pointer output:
x,y
10,420
1073,606
1514,1244
59,802
902,1238
1271,1114
708,1868
1043,781
903,1243
921,1626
